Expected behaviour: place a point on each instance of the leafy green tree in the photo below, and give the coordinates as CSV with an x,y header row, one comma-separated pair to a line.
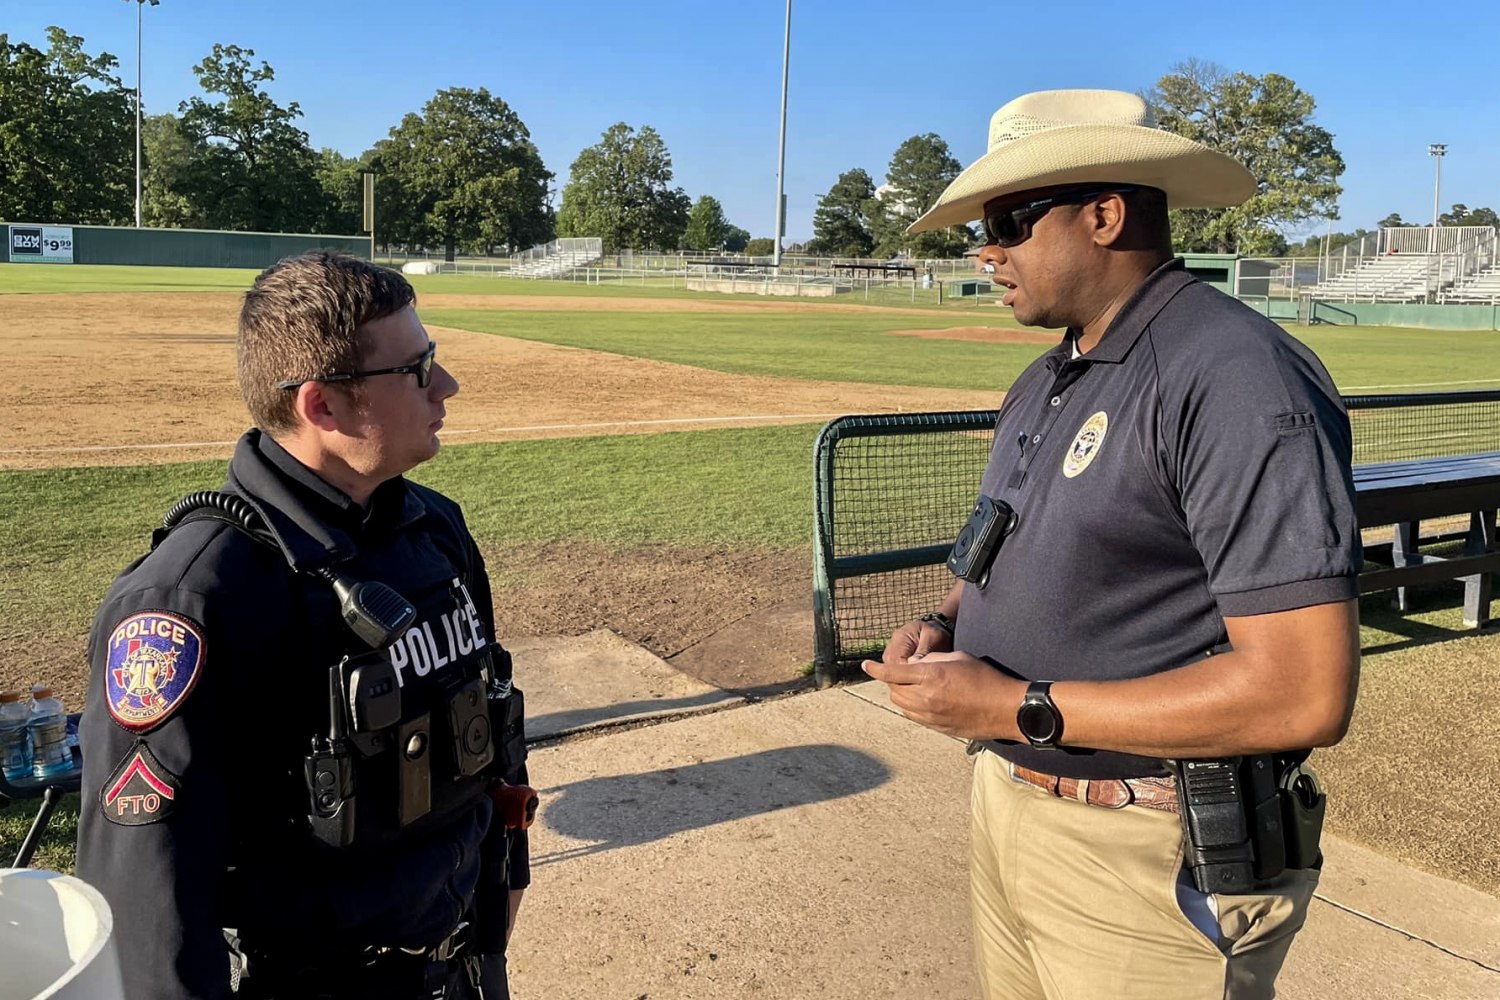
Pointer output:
x,y
619,190
255,170
707,228
1462,215
761,246
1393,221
1266,123
67,134
841,225
342,181
736,239
468,175
1313,245
919,170
168,153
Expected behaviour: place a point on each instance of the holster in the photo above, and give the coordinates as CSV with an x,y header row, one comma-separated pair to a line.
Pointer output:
x,y
1302,805
508,722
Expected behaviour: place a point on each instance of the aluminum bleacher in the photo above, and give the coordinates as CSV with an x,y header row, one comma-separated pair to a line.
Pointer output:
x,y
1416,264
552,260
1482,287
1393,278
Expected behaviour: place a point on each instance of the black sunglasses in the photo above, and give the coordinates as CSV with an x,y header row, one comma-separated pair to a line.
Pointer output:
x,y
421,368
1012,226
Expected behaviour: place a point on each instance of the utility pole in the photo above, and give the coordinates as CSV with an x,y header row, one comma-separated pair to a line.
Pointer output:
x,y
138,5
786,55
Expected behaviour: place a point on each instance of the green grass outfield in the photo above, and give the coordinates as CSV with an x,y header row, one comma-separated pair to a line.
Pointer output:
x,y
84,278
859,348
832,344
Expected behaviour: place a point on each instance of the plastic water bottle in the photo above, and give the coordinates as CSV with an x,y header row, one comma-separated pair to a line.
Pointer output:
x,y
15,739
50,753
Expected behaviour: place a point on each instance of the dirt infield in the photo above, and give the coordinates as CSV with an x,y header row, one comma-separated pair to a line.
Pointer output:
x,y
130,379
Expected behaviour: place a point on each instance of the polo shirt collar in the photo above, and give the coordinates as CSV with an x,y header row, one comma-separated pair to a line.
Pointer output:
x,y
315,522
1159,288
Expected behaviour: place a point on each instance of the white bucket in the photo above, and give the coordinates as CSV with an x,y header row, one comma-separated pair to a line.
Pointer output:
x,y
55,938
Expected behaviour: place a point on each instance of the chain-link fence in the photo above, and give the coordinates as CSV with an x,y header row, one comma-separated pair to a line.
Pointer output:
x,y
892,491
1398,427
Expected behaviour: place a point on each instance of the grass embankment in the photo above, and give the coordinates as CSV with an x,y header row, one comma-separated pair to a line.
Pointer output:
x,y
744,486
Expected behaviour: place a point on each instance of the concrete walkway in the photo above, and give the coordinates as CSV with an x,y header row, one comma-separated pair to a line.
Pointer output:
x,y
812,848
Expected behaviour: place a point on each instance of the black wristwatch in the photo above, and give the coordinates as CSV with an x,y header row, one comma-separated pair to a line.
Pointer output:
x,y
939,619
1038,718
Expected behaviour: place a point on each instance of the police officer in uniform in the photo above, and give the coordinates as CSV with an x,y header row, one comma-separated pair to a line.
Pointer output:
x,y
301,741
1157,584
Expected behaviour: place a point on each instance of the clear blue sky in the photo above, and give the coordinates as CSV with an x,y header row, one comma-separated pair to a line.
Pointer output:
x,y
1389,77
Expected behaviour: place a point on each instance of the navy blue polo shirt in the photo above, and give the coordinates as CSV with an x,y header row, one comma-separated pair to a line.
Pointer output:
x,y
1194,465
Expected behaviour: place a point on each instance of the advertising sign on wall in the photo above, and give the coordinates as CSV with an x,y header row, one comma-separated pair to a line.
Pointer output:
x,y
41,244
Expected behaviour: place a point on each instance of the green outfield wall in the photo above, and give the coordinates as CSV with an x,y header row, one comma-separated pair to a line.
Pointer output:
x,y
47,243
1410,314
1423,317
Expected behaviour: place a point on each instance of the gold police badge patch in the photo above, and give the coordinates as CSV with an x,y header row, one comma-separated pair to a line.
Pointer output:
x,y
1086,445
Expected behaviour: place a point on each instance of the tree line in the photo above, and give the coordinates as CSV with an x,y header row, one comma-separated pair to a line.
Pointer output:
x,y
1265,122
462,174
1334,242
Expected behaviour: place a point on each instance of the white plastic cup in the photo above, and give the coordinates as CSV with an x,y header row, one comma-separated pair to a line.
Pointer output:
x,y
56,938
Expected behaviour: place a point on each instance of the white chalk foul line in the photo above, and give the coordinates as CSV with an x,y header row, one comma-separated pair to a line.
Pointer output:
x,y
643,423
114,447
79,449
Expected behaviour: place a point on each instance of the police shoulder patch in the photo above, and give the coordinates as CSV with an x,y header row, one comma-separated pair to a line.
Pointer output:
x,y
152,663
140,790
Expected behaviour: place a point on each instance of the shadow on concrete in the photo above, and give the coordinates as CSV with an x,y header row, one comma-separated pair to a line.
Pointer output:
x,y
629,809
555,724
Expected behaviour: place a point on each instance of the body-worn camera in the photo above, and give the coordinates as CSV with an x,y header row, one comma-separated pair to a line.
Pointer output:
x,y
469,728
990,522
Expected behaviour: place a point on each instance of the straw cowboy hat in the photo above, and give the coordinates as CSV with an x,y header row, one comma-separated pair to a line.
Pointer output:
x,y
1085,136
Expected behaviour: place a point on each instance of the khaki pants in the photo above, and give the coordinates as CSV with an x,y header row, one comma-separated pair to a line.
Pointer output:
x,y
1078,902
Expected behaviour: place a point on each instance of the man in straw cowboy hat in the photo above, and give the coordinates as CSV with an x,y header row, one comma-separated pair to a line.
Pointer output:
x,y
1155,616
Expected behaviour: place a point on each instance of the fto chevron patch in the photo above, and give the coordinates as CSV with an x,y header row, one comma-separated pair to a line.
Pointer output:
x,y
140,790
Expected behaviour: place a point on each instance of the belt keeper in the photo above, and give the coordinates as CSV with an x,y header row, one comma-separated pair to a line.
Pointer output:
x,y
1083,790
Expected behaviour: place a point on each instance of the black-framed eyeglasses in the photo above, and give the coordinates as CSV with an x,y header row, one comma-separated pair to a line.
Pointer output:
x,y
1012,226
421,368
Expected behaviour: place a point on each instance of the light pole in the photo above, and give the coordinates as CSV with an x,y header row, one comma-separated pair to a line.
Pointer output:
x,y
786,54
138,5
1437,151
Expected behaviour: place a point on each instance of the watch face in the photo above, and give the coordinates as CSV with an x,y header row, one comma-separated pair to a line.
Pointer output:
x,y
1036,723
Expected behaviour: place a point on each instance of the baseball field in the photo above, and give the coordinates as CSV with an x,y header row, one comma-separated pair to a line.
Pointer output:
x,y
640,459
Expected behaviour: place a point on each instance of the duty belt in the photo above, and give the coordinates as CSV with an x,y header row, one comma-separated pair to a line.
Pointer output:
x,y
451,947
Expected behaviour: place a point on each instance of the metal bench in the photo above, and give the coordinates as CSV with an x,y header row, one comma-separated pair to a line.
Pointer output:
x,y
887,487
1404,494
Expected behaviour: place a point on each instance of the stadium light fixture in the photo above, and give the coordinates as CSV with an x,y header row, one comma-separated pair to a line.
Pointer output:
x,y
1437,151
138,5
